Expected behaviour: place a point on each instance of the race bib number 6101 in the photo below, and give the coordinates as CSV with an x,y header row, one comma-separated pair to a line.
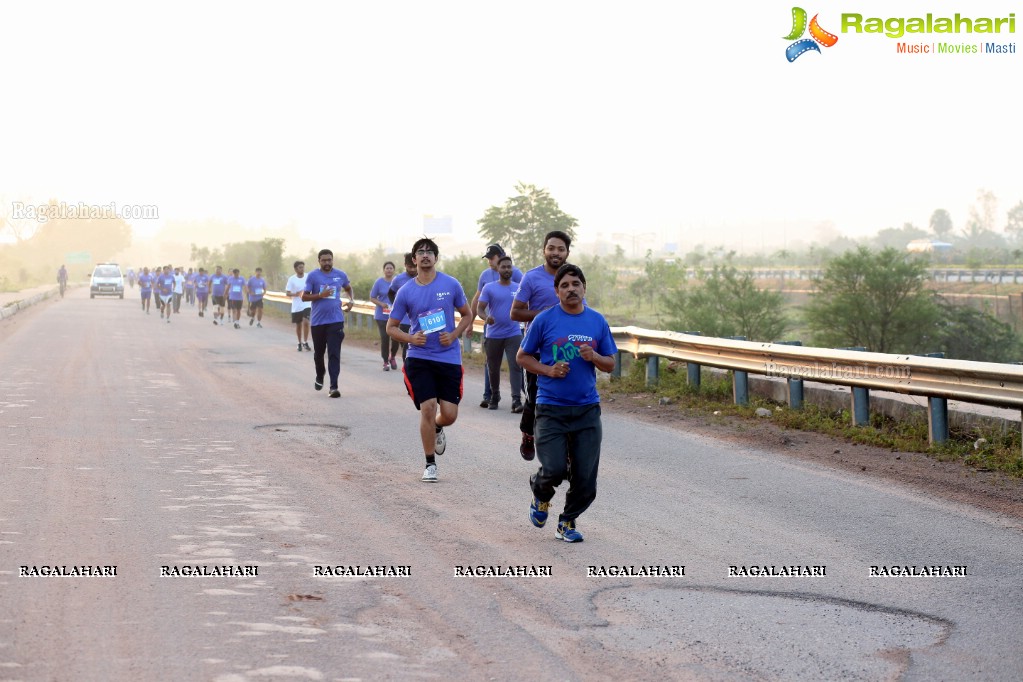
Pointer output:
x,y
433,321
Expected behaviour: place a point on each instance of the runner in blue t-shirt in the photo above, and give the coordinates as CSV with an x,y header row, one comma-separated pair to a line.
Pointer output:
x,y
433,370
255,288
397,283
218,288
572,342
327,319
378,295
503,335
190,286
165,290
493,255
235,296
202,290
146,288
537,294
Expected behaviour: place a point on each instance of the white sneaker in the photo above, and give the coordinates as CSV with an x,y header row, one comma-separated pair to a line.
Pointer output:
x,y
441,444
430,473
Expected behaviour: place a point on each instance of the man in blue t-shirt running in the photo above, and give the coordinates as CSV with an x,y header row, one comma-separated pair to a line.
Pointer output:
x,y
536,294
327,320
433,370
572,342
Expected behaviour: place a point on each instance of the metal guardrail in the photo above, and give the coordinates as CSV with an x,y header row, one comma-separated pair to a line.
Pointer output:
x,y
938,379
987,383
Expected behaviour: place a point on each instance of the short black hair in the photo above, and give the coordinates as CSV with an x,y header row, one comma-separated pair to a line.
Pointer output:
x,y
297,263
389,262
503,259
324,252
568,269
557,234
410,258
426,242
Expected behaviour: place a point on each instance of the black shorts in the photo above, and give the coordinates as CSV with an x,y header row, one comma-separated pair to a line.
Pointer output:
x,y
234,305
255,304
301,315
218,300
427,379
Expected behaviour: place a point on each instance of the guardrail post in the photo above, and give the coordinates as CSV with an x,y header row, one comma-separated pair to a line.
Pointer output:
x,y
937,414
740,381
860,399
693,370
617,371
795,385
653,370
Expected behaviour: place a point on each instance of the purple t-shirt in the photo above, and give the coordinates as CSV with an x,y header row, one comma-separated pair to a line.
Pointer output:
x,y
165,284
557,336
202,284
326,310
235,288
257,287
490,275
498,298
431,308
398,282
537,289
218,283
379,292
146,283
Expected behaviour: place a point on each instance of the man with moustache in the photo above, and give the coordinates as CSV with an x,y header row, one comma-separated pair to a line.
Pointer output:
x,y
572,342
536,294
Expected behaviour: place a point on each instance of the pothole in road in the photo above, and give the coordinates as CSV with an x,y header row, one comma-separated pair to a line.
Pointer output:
x,y
722,634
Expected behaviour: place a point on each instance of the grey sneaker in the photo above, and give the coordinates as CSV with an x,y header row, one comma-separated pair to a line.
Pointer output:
x,y
430,473
441,444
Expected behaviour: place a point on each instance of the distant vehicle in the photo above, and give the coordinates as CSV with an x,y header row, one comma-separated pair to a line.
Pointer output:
x,y
107,280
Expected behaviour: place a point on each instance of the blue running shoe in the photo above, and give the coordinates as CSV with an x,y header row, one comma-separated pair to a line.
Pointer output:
x,y
538,512
567,532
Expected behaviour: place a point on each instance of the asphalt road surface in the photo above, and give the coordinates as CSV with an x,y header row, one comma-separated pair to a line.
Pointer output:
x,y
151,447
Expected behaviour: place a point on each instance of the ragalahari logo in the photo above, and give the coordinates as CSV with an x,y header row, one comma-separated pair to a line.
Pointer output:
x,y
817,35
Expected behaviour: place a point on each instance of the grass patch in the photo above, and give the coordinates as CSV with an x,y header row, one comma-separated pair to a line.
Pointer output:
x,y
980,448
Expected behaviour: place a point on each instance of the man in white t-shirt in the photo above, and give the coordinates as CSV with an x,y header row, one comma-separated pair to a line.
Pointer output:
x,y
300,310
179,289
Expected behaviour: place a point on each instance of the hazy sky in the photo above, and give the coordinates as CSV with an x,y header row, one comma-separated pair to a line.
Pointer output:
x,y
682,121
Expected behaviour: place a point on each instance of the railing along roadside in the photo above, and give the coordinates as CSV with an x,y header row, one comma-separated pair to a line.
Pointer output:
x,y
939,379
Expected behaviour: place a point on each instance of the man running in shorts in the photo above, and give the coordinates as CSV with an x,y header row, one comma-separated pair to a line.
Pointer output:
x,y
433,369
165,290
300,310
202,290
235,296
146,288
218,290
255,288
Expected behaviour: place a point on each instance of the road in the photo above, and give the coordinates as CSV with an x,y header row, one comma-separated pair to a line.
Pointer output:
x,y
138,444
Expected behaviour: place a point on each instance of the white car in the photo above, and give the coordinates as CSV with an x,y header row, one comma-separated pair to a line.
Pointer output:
x,y
107,280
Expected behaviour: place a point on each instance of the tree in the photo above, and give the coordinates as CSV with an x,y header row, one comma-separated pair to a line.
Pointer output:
x,y
520,225
965,333
727,303
1014,221
898,237
981,223
941,224
878,300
